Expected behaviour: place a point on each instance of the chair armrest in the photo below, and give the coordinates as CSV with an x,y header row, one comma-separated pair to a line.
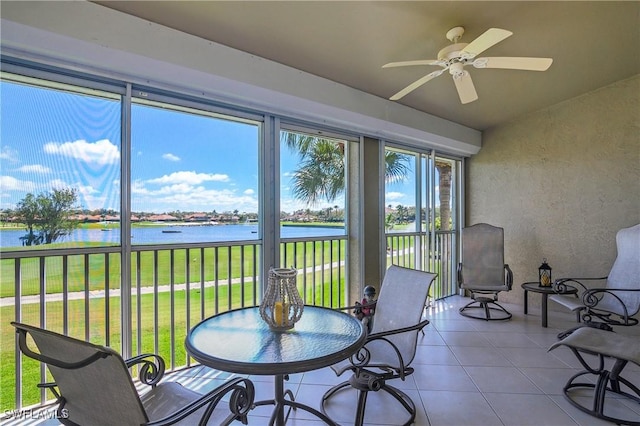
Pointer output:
x,y
508,276
240,403
417,327
592,297
362,358
356,306
562,285
151,370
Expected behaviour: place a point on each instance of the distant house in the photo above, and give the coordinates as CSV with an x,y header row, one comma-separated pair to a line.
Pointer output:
x,y
197,217
162,218
88,218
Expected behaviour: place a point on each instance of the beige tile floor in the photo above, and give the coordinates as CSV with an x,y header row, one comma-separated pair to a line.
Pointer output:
x,y
467,372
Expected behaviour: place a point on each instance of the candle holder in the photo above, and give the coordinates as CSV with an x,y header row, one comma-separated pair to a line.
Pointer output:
x,y
544,274
281,306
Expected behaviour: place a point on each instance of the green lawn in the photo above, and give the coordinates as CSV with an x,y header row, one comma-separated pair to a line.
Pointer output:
x,y
219,263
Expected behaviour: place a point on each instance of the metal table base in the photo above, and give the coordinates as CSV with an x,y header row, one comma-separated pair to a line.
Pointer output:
x,y
278,417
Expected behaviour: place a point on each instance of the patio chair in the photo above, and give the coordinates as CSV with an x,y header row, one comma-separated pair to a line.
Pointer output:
x,y
391,346
93,386
601,382
483,272
618,301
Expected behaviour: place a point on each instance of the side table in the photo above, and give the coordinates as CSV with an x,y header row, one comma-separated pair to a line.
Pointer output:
x,y
535,287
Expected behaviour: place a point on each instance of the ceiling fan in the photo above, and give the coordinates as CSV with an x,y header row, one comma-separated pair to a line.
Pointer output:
x,y
456,56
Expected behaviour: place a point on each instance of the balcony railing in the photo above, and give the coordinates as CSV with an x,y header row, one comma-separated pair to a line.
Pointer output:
x,y
418,250
77,292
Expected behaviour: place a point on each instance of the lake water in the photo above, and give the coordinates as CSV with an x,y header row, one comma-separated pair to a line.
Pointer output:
x,y
177,234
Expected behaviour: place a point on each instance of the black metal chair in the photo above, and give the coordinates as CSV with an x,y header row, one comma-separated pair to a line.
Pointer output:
x,y
390,348
617,302
602,381
93,386
483,272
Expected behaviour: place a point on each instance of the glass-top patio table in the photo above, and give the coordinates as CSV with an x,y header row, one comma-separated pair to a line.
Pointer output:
x,y
239,341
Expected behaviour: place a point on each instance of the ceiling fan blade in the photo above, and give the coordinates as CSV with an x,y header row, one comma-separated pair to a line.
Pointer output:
x,y
487,39
412,63
466,89
413,86
514,63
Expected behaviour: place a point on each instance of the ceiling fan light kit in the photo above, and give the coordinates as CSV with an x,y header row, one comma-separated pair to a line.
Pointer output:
x,y
457,55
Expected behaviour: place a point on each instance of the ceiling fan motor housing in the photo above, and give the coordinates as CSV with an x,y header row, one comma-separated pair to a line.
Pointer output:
x,y
451,52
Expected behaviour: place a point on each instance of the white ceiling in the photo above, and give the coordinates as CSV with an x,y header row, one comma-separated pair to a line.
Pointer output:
x,y
592,44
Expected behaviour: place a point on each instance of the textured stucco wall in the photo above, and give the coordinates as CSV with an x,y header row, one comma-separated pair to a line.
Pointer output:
x,y
561,182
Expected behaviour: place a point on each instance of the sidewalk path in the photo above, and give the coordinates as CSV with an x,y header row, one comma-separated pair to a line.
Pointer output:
x,y
95,294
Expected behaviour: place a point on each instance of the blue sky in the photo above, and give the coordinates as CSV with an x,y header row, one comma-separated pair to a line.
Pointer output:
x,y
180,161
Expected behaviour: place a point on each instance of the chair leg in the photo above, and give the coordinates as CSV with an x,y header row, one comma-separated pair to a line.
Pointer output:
x,y
487,313
607,381
360,409
487,306
405,400
396,393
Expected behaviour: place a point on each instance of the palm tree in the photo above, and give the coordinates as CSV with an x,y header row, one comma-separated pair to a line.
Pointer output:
x,y
444,171
322,167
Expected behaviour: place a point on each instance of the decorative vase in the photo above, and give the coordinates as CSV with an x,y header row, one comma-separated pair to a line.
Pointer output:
x,y
281,305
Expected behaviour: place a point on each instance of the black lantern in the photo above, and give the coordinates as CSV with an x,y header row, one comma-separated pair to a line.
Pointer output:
x,y
544,274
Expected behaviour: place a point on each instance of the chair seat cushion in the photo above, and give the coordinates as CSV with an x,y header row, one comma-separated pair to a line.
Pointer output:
x,y
603,342
484,287
569,302
166,398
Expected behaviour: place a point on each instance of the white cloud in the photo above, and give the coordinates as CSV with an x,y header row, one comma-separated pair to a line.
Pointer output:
x,y
394,196
101,153
138,188
249,192
171,157
86,190
9,183
191,178
9,154
180,188
58,184
34,168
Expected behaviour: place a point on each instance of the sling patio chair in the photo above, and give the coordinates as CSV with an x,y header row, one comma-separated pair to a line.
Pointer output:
x,y
483,272
391,346
93,386
593,389
617,302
